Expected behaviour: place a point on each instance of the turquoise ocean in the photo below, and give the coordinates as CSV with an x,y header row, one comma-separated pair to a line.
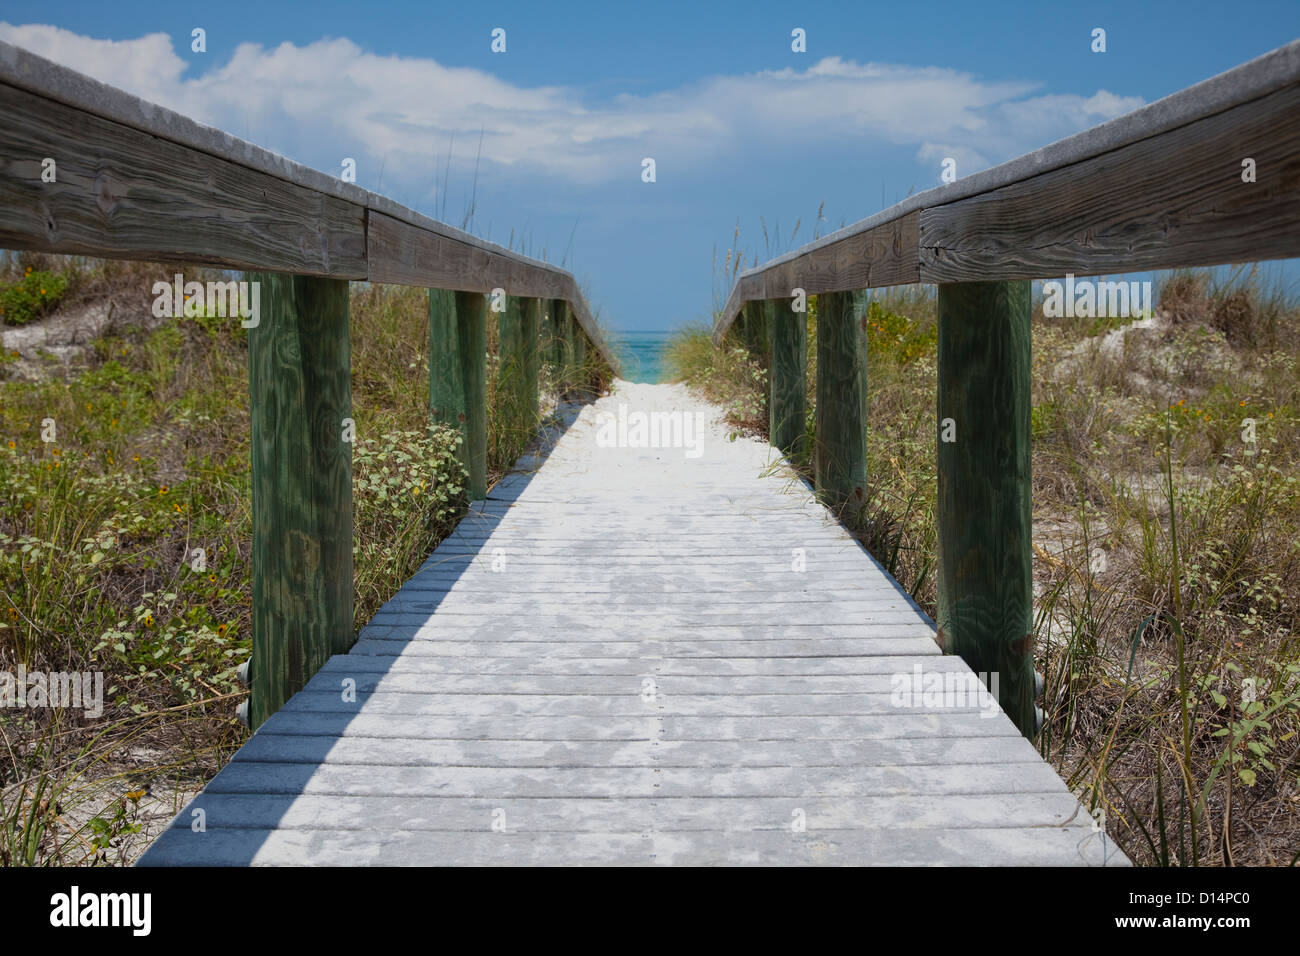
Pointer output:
x,y
642,354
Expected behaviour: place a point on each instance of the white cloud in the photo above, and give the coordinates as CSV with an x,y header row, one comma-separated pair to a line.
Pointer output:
x,y
331,97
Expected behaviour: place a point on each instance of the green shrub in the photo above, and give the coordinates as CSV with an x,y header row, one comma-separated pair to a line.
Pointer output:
x,y
31,297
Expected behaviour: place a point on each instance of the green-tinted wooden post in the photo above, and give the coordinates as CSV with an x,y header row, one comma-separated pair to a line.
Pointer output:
x,y
458,376
564,323
985,577
530,333
754,328
512,403
840,469
553,339
578,349
787,332
300,402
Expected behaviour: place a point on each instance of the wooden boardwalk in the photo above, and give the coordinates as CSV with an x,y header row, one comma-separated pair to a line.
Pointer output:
x,y
615,659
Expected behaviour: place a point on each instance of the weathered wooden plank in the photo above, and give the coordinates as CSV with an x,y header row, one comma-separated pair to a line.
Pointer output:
x,y
985,562
1047,846
884,255
1169,201
601,706
415,642
527,815
667,754
624,665
123,194
840,452
669,726
403,254
368,681
508,782
300,402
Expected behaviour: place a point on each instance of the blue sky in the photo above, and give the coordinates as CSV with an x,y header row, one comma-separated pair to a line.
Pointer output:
x,y
738,124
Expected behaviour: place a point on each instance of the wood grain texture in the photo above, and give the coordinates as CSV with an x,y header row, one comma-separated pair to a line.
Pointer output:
x,y
122,194
1170,201
471,326
753,330
787,331
553,319
300,392
840,455
580,386
985,573
513,398
883,256
530,331
404,254
457,368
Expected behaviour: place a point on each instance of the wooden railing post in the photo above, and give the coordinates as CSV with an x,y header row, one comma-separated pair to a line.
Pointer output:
x,y
530,332
516,388
458,376
840,470
754,328
985,574
787,332
300,403
553,340
578,355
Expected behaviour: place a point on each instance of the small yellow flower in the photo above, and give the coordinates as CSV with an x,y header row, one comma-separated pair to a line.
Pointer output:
x,y
1242,403
12,445
42,292
135,457
110,459
148,620
212,577
221,629
162,490
177,507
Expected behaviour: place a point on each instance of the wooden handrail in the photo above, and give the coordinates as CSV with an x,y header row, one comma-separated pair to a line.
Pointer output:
x,y
1158,188
137,181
